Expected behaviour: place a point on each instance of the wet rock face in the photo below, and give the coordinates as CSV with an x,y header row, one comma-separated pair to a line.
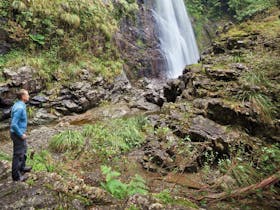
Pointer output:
x,y
203,129
207,90
139,46
78,97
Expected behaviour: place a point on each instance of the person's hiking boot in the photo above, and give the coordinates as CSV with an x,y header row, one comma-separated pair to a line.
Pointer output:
x,y
26,169
22,178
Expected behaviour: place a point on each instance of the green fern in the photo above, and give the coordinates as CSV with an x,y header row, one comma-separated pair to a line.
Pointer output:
x,y
119,189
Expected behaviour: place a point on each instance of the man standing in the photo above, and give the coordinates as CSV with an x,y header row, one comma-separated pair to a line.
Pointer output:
x,y
18,135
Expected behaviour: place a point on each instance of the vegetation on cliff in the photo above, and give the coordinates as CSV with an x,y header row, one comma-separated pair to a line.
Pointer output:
x,y
213,12
59,38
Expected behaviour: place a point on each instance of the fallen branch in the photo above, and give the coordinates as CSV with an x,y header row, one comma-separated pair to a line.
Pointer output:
x,y
241,192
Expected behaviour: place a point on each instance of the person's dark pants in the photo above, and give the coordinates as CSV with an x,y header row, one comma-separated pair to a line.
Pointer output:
x,y
19,156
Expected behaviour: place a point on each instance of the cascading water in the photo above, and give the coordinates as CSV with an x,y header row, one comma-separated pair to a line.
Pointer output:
x,y
176,35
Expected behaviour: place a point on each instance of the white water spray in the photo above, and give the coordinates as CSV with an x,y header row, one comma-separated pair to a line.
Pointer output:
x,y
176,35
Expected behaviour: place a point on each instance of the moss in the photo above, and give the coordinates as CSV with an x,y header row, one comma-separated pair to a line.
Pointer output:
x,y
268,27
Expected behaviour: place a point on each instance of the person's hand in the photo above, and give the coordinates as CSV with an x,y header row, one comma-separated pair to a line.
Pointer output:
x,y
24,136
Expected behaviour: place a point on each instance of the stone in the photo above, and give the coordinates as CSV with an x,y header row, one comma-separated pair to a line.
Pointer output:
x,y
154,98
226,182
222,74
80,86
172,89
5,114
157,155
42,194
156,206
42,116
70,105
218,48
24,77
38,100
203,129
4,170
144,105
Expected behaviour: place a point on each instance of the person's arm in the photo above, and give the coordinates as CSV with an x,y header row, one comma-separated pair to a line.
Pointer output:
x,y
14,124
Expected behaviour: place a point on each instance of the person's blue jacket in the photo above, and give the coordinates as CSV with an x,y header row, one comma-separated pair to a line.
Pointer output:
x,y
19,118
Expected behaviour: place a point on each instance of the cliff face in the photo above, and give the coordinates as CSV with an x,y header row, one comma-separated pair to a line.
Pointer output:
x,y
139,45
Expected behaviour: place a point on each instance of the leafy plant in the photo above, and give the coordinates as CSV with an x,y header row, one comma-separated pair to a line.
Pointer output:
x,y
41,161
38,38
269,160
119,189
67,141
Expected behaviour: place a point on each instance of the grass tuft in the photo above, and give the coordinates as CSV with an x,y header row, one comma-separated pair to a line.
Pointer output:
x,y
67,141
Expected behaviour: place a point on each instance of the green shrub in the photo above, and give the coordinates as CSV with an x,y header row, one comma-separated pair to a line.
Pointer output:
x,y
119,189
237,9
243,9
67,141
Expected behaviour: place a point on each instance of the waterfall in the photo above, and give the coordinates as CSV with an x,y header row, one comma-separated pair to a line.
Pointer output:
x,y
176,36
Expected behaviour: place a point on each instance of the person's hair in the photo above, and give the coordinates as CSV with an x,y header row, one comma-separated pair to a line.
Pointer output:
x,y
20,93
